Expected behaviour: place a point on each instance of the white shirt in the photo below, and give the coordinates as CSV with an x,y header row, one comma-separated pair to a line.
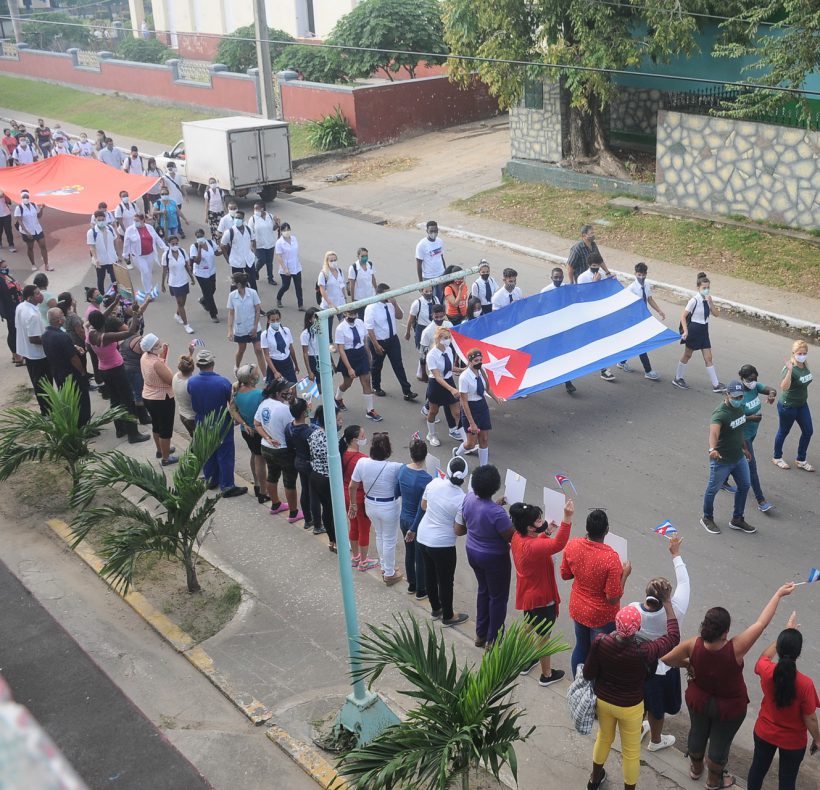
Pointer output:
x,y
213,197
334,286
264,231
695,307
635,287
274,416
177,273
344,334
109,218
290,254
112,158
125,214
24,156
132,244
29,323
174,184
60,147
550,287
422,310
207,264
244,309
182,396
308,340
269,342
102,240
362,276
479,289
430,331
588,276
444,500
133,165
5,208
84,148
501,298
224,224
435,361
29,221
468,384
239,240
431,255
378,478
375,318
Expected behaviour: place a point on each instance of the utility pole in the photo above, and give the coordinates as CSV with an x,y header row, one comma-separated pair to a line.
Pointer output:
x,y
260,19
14,13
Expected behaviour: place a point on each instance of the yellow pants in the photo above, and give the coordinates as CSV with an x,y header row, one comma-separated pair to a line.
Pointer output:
x,y
629,723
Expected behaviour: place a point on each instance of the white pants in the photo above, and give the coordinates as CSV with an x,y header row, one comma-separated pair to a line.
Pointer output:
x,y
144,264
385,519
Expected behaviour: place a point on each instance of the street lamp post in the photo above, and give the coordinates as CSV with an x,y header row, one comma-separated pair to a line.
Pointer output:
x,y
364,713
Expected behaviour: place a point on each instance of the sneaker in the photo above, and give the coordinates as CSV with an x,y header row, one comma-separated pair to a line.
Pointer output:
x,y
553,677
137,438
394,579
644,729
455,450
278,508
278,303
804,465
410,396
680,384
215,319
719,388
764,506
373,415
472,451
189,329
178,319
651,375
570,387
741,524
379,392
298,517
624,366
307,525
433,441
729,489
340,404
456,434
319,530
411,589
457,619
229,493
606,375
665,742
421,595
526,670
425,410
436,614
709,525
170,460
12,249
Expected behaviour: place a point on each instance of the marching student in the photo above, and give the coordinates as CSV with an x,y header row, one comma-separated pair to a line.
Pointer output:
x,y
354,362
425,344
484,287
214,209
226,221
644,290
203,254
27,223
286,255
510,292
277,346
109,215
421,315
593,275
430,257
100,240
331,285
133,164
239,249
244,309
556,280
361,278
140,246
475,414
177,274
441,388
265,228
694,334
455,298
310,350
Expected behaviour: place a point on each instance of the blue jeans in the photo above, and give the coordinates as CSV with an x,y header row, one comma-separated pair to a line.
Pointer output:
x,y
719,472
753,476
789,415
584,637
413,561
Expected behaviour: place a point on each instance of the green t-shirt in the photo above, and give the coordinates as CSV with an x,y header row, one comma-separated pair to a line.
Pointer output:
x,y
752,405
730,439
797,395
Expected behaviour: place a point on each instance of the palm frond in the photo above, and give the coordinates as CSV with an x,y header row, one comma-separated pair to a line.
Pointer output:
x,y
117,467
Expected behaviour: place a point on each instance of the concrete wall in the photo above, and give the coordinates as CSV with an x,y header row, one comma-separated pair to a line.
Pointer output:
x,y
635,110
719,165
535,134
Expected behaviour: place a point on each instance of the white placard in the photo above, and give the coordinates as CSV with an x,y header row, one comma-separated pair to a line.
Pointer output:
x,y
617,543
433,464
554,506
515,487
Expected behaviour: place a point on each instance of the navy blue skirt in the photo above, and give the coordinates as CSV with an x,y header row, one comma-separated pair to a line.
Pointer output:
x,y
438,395
481,415
358,360
697,337
284,367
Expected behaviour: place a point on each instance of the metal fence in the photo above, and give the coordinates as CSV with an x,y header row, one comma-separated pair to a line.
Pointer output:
x,y
194,70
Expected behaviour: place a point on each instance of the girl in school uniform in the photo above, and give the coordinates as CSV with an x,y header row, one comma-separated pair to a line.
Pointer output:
x,y
277,347
310,351
331,284
354,362
694,334
475,414
441,387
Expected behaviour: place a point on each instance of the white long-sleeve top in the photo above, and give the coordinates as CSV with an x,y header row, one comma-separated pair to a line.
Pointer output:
x,y
653,624
132,245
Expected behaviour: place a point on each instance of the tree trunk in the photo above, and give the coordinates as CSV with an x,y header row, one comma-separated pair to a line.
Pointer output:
x,y
589,151
190,569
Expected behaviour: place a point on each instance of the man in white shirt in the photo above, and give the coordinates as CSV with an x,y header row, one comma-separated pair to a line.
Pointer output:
x,y
133,164
430,257
111,156
27,221
244,308
556,280
30,330
510,292
124,215
264,227
24,153
203,254
100,240
484,287
593,275
227,220
361,278
239,248
380,320
640,287
421,315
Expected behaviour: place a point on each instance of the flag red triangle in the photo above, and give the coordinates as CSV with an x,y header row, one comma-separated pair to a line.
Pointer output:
x,y
505,367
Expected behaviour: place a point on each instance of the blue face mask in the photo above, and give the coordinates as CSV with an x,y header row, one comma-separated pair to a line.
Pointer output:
x,y
239,222
275,326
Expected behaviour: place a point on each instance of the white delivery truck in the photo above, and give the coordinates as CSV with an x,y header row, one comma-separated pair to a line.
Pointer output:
x,y
243,154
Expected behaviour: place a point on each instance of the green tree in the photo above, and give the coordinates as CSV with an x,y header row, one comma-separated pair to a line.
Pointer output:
x,y
55,31
238,53
144,50
466,718
389,25
616,35
170,527
316,63
27,435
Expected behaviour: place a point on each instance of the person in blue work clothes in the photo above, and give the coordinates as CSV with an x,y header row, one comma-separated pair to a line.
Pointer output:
x,y
211,393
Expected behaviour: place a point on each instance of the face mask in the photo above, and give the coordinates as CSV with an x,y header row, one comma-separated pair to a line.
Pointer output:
x,y
200,240
23,144
445,343
232,212
591,238
595,269
432,235
332,262
101,223
704,292
509,287
350,319
438,321
541,528
239,222
139,223
26,201
212,183
275,326
98,299
257,212
124,199
361,442
750,385
485,275
165,198
175,246
286,234
736,403
363,259
557,283
4,269
83,139
477,365
476,313
800,357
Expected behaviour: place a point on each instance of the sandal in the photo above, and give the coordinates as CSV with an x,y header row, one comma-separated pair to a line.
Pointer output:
x,y
332,547
726,780
804,465
780,463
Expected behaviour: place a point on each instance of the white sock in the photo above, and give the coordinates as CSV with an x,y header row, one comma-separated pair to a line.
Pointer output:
x,y
431,429
712,375
460,449
368,402
484,456
681,370
338,393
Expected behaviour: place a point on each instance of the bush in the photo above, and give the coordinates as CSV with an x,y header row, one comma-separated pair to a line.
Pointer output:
x,y
144,50
332,132
55,31
240,55
317,64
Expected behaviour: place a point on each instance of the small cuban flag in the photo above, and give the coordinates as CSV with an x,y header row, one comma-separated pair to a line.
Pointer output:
x,y
441,474
307,389
199,342
562,479
666,529
415,436
142,296
814,576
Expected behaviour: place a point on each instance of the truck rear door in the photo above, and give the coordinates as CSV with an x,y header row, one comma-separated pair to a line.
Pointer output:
x,y
246,158
275,154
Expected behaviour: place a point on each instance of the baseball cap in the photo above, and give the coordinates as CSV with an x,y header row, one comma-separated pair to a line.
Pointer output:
x,y
734,389
148,341
204,358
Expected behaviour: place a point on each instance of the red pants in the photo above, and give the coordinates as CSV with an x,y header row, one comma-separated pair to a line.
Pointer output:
x,y
360,527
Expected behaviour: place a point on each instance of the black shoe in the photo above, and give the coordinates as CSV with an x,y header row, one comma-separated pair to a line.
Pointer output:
x,y
740,523
380,392
212,486
595,785
709,525
319,530
436,614
172,450
554,677
138,438
272,282
411,589
121,432
234,491
307,525
570,387
457,619
526,670
410,395
421,595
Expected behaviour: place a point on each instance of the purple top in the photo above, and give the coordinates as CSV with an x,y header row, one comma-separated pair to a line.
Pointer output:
x,y
485,522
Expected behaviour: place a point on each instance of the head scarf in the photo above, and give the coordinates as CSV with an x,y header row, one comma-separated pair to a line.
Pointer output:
x,y
628,621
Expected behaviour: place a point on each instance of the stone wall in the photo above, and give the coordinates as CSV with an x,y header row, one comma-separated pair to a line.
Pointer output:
x,y
724,166
635,110
535,134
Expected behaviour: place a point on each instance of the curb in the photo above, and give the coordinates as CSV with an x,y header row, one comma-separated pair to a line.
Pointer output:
x,y
307,758
747,311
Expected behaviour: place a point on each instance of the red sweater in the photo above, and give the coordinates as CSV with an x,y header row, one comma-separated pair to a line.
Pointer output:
x,y
535,574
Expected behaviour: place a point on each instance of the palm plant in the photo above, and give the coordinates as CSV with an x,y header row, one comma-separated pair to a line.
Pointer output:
x,y
27,435
171,527
466,718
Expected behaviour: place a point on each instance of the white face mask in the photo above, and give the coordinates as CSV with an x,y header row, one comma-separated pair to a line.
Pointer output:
x,y
175,247
476,313
445,343
361,442
800,357
750,385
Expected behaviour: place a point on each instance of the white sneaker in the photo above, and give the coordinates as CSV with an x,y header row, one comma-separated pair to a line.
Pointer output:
x,y
666,742
624,366
178,319
433,441
189,329
644,729
651,375
457,434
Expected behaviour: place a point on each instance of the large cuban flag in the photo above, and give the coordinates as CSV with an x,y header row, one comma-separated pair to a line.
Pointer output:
x,y
562,334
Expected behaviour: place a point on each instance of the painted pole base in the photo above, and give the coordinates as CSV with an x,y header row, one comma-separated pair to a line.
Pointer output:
x,y
365,718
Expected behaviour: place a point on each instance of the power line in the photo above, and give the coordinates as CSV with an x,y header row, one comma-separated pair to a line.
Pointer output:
x,y
681,12
482,59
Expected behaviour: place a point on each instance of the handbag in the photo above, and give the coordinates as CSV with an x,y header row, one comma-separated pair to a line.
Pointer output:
x,y
582,702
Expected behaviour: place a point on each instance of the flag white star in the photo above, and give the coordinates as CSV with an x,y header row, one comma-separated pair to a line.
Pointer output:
x,y
498,367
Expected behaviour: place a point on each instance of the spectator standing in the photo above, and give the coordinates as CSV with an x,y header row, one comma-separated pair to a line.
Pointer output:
x,y
321,504
158,395
244,404
411,482
64,360
49,299
27,222
5,221
297,435
29,324
185,369
11,295
350,446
